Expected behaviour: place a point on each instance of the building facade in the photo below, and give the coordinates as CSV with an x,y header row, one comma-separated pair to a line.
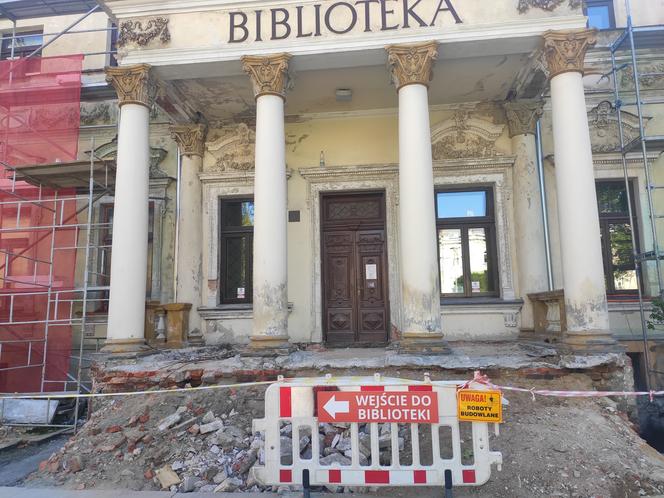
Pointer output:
x,y
368,172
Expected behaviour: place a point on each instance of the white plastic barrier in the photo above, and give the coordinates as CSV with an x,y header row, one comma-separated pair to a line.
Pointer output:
x,y
294,402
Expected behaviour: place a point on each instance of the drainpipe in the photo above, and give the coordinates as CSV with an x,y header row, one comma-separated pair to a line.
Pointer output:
x,y
177,227
545,213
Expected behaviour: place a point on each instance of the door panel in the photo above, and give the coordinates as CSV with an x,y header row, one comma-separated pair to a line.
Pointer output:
x,y
354,260
339,278
370,249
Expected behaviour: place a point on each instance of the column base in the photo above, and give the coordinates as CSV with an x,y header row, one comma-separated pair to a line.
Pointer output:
x,y
422,343
124,346
268,345
593,341
195,338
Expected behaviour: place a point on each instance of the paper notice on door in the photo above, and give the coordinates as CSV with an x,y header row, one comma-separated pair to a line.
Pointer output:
x,y
240,292
370,272
476,286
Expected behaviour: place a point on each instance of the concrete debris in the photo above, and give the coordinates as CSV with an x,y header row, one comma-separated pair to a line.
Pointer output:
x,y
167,478
213,426
172,419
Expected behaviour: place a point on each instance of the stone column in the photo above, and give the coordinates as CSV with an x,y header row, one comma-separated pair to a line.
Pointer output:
x,y
191,141
583,274
522,119
269,77
411,68
129,257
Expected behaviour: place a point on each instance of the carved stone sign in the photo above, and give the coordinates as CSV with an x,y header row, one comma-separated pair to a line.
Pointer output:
x,y
338,18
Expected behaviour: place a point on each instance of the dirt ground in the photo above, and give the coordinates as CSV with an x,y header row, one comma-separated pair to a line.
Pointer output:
x,y
552,447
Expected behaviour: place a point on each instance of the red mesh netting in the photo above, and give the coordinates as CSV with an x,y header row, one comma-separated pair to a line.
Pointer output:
x,y
39,124
40,109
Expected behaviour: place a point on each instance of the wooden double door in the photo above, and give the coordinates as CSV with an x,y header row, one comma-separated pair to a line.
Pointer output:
x,y
354,260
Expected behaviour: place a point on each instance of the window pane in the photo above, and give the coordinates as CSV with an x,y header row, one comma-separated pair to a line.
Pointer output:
x,y
599,17
451,261
238,214
237,267
612,198
624,275
479,260
461,204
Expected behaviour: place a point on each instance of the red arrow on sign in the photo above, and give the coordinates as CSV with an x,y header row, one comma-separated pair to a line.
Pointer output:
x,y
391,406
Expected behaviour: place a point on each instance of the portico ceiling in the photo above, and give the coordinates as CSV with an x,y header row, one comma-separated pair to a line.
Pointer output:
x,y
455,81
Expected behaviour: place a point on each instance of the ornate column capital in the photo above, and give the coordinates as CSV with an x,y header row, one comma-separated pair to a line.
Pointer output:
x,y
133,84
522,116
268,74
565,51
190,138
411,64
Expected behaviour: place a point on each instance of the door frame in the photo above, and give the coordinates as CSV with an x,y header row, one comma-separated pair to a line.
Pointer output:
x,y
386,271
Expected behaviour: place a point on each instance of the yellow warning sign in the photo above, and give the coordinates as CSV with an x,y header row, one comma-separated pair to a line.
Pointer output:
x,y
480,406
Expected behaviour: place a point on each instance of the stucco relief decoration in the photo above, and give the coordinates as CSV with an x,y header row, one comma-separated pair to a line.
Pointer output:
x,y
54,116
234,150
190,138
548,5
411,64
604,128
565,51
650,76
109,151
142,32
133,84
464,136
522,116
269,75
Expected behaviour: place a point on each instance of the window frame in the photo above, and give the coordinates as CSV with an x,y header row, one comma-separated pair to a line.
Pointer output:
x,y
234,232
601,3
605,220
488,223
23,51
105,243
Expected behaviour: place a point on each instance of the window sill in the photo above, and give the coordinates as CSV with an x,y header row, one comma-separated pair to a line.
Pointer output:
x,y
478,301
230,311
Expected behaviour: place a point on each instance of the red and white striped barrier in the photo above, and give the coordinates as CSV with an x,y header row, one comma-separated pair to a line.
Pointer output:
x,y
302,402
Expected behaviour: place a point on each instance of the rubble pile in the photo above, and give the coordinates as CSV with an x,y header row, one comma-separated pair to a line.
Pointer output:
x,y
174,442
194,447
203,441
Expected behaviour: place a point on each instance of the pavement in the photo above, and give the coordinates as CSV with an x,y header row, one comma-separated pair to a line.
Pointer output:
x,y
63,493
17,463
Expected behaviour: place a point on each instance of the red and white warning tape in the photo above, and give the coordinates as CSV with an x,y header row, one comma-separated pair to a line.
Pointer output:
x,y
483,379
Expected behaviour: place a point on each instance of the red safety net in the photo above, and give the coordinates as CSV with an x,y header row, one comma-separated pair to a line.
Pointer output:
x,y
39,124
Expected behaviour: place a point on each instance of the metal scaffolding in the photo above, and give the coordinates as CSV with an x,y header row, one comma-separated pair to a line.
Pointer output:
x,y
76,307
625,53
54,209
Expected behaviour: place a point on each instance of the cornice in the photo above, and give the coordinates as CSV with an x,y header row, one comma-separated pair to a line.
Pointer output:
x,y
392,170
234,178
614,161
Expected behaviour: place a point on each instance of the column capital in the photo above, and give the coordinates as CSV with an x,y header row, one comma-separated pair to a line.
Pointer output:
x,y
133,84
190,138
268,74
410,64
522,116
565,51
